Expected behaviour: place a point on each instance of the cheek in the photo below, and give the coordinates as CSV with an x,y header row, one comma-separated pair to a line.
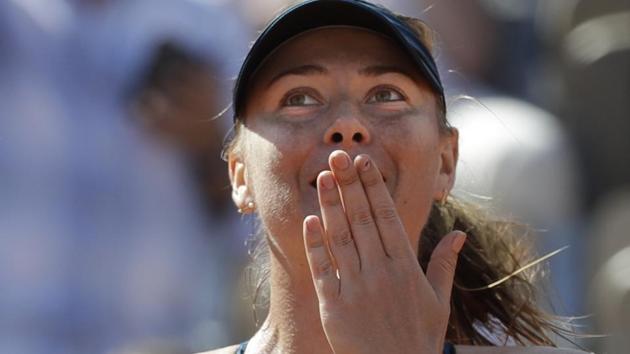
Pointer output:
x,y
417,165
417,158
273,175
414,197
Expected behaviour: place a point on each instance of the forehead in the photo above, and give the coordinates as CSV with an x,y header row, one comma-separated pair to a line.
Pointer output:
x,y
339,46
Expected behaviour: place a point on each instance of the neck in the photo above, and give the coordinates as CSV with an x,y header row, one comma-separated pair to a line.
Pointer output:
x,y
293,324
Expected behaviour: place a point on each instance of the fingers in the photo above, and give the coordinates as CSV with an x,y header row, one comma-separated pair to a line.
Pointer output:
x,y
357,209
321,266
441,267
393,235
340,238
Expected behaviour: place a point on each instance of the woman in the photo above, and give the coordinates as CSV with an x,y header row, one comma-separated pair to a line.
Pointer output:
x,y
342,149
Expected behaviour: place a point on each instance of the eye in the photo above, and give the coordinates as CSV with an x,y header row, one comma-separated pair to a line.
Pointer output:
x,y
299,99
385,95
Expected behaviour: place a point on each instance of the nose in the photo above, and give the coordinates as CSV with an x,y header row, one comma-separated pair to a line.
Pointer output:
x,y
347,131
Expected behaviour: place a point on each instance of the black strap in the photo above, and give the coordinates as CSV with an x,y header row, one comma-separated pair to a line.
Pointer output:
x,y
449,348
241,348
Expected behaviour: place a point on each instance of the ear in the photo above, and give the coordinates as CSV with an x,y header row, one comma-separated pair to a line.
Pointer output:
x,y
449,153
241,193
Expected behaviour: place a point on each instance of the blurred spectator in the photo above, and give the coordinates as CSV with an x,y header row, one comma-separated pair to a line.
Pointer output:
x,y
177,101
610,290
516,159
103,241
590,56
596,85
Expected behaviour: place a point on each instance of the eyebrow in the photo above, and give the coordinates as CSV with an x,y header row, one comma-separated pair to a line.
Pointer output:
x,y
311,69
304,70
376,70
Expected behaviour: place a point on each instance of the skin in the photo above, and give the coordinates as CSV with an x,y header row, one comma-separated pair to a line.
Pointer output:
x,y
372,198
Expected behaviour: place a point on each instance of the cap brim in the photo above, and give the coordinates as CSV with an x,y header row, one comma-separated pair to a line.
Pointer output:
x,y
321,13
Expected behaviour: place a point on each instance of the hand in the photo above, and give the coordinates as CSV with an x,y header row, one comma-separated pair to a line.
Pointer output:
x,y
382,302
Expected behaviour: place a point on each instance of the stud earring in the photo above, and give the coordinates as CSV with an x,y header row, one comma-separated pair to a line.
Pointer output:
x,y
251,206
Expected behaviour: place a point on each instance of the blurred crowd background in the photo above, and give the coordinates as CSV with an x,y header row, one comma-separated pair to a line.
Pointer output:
x,y
117,233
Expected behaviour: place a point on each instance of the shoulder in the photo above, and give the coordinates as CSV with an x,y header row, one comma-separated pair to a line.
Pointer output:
x,y
226,350
467,349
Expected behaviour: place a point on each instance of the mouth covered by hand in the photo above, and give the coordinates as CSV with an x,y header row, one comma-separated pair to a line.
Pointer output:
x,y
362,262
313,181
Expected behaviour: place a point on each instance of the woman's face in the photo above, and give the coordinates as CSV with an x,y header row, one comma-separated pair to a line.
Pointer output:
x,y
339,88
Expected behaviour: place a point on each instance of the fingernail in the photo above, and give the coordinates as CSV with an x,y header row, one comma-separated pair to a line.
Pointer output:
x,y
327,181
366,164
341,161
311,223
458,241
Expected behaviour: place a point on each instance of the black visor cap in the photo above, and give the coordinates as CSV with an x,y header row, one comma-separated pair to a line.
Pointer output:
x,y
313,14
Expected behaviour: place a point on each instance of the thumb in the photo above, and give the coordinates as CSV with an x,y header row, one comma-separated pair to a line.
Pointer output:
x,y
441,267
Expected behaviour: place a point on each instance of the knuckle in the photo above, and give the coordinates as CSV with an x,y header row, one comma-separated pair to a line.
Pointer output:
x,y
323,268
315,242
372,178
342,238
446,264
361,217
348,178
387,214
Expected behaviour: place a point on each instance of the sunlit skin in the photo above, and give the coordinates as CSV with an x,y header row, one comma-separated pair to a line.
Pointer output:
x,y
290,144
326,98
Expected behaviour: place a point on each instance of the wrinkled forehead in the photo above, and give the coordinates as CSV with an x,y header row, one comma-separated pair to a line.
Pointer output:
x,y
335,47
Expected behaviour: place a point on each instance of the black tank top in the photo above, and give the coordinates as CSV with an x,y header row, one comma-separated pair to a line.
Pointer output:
x,y
449,348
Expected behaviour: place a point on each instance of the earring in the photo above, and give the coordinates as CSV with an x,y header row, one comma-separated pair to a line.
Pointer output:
x,y
444,196
251,206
